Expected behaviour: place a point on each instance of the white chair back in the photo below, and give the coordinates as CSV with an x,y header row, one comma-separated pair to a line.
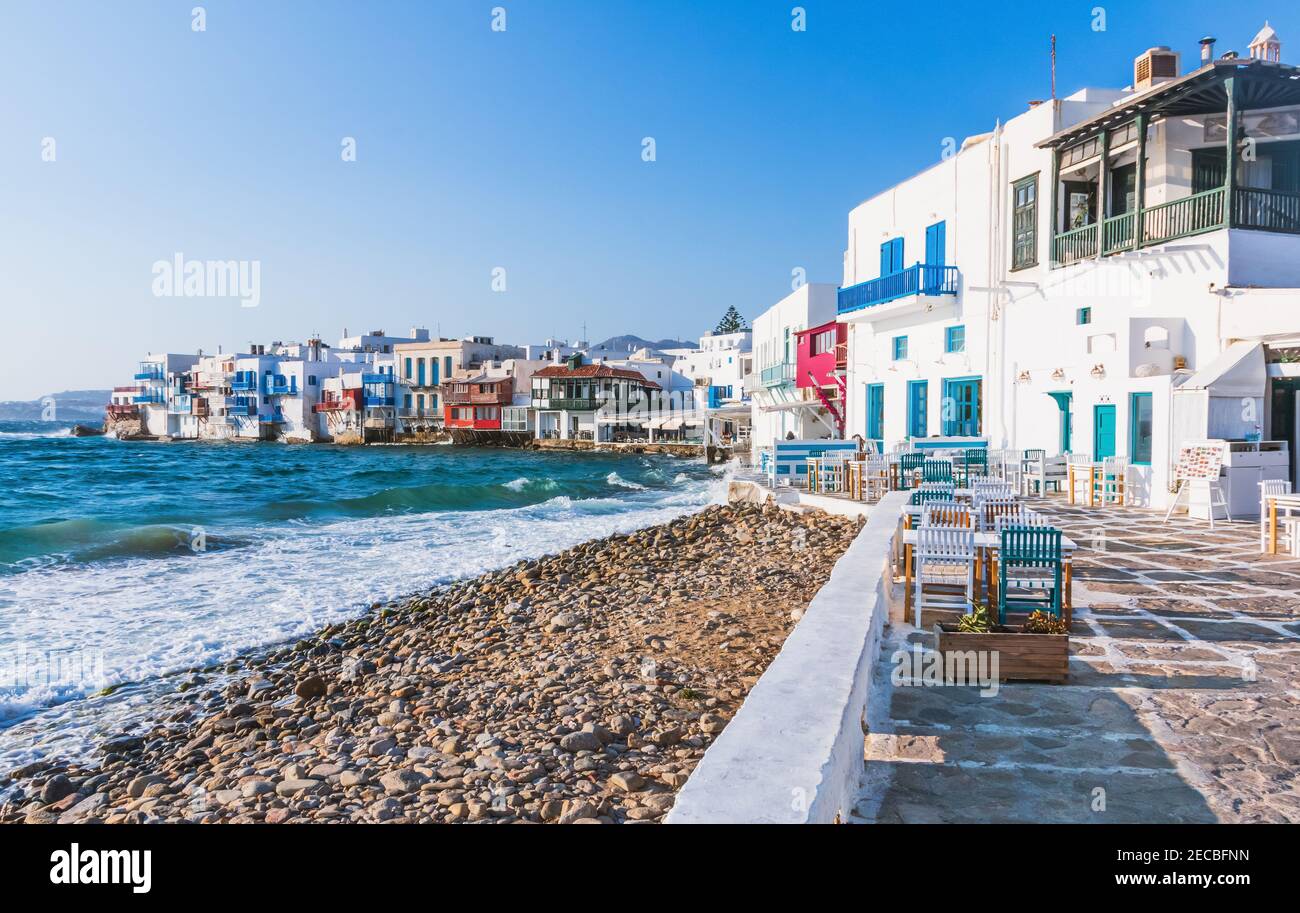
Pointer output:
x,y
946,514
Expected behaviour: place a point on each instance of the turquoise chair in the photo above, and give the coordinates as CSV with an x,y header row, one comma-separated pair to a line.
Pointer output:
x,y
1029,559
974,459
908,464
936,471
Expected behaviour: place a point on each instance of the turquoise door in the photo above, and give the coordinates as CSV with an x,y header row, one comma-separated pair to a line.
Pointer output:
x,y
876,414
961,407
916,406
1103,432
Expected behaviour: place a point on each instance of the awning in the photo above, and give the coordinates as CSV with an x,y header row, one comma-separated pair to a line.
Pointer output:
x,y
789,407
1238,370
615,420
671,424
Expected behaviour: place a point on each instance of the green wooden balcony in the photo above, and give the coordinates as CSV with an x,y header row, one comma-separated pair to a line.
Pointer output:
x,y
1253,208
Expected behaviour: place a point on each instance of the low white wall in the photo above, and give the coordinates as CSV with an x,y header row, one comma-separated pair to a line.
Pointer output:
x,y
793,754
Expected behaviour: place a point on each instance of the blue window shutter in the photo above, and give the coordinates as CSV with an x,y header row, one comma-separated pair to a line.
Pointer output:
x,y
886,258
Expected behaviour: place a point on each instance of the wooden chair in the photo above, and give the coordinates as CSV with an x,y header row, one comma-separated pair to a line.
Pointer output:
x,y
875,480
974,461
909,465
945,569
1029,563
947,513
1111,484
926,495
1266,488
936,471
988,510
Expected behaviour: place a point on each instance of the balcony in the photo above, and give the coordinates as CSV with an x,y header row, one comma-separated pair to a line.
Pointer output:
x,y
919,279
280,386
475,398
334,405
150,397
379,402
778,374
1253,208
123,409
240,405
589,404
378,379
244,382
150,372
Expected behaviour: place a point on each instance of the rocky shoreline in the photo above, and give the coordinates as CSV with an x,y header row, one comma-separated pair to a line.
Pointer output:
x,y
579,687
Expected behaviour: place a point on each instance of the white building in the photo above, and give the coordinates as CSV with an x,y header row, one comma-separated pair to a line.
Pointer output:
x,y
779,408
1038,289
595,402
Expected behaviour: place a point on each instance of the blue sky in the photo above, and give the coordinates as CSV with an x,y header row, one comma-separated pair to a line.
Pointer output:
x,y
479,149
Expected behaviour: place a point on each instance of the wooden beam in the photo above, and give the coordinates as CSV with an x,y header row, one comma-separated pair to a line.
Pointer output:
x,y
1140,185
1103,191
1053,202
1230,153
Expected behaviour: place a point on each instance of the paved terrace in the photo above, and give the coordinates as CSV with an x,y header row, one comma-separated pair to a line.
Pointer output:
x,y
1183,703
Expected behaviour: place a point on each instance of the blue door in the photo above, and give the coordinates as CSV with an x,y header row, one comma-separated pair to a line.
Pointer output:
x,y
876,414
916,406
961,407
1103,432
935,244
891,257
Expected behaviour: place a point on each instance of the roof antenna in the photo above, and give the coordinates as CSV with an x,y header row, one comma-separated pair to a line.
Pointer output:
x,y
1053,67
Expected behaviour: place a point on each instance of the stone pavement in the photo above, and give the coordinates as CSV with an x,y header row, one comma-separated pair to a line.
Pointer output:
x,y
1183,703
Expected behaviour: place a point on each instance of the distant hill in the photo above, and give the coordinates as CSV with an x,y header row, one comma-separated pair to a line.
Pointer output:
x,y
69,406
624,344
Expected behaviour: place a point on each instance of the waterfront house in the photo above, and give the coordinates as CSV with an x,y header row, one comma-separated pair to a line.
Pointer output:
x,y
1039,288
594,402
160,378
475,403
780,408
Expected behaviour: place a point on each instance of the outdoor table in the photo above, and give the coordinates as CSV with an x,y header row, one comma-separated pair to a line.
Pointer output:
x,y
1093,469
986,547
1284,503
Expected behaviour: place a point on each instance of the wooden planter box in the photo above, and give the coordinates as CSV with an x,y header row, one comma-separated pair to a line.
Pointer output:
x,y
1021,657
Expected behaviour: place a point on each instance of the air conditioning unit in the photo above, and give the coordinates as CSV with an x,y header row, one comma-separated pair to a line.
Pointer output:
x,y
1154,66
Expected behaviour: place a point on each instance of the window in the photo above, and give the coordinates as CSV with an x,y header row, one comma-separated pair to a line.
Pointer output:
x,y
1083,316
408,368
900,348
954,339
891,257
1140,428
419,372
961,406
446,366
1024,222
311,380
823,342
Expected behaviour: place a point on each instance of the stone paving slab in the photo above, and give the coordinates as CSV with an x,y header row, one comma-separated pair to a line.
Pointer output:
x,y
1183,703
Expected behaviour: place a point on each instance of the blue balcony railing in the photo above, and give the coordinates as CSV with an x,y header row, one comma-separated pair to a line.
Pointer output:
x,y
241,405
919,279
150,372
378,401
281,387
149,396
244,381
378,378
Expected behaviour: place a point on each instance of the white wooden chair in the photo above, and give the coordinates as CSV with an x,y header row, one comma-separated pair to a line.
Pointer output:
x,y
945,569
989,508
948,513
1266,488
1112,484
1078,481
875,479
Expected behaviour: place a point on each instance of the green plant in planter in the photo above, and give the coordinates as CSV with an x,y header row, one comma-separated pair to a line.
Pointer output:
x,y
977,622
1040,622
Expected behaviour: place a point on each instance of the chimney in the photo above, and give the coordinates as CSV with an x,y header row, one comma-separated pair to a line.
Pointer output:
x,y
1207,50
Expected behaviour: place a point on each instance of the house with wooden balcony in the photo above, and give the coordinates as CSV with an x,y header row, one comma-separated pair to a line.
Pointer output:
x,y
476,403
821,361
595,402
1054,282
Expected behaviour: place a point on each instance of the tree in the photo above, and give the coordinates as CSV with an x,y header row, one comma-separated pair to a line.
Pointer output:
x,y
731,322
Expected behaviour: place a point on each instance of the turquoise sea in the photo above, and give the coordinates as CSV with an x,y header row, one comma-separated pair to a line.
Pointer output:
x,y
122,562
